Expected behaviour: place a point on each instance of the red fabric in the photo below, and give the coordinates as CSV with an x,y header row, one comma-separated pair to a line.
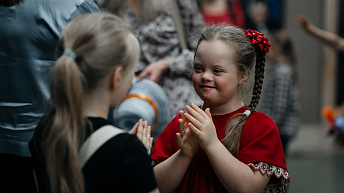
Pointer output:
x,y
239,13
225,17
260,141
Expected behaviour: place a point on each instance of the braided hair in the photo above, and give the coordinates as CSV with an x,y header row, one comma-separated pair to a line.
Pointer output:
x,y
248,45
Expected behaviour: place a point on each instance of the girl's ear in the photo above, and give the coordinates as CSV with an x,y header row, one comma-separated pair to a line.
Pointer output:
x,y
244,77
116,78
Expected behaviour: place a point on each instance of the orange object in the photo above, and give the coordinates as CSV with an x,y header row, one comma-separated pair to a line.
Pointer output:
x,y
150,101
328,114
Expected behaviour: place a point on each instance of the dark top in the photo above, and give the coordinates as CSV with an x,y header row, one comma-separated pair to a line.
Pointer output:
x,y
120,165
29,34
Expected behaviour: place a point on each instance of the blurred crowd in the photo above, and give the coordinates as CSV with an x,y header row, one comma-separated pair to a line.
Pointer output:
x,y
167,32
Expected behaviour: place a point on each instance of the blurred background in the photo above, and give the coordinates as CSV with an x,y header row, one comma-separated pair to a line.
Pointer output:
x,y
315,159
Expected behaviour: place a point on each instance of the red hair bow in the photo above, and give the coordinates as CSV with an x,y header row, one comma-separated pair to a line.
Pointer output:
x,y
258,40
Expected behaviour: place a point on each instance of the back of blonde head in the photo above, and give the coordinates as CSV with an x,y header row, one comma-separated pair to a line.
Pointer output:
x,y
101,43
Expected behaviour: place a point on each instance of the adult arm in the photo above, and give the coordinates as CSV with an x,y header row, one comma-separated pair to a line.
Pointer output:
x,y
161,50
327,37
181,64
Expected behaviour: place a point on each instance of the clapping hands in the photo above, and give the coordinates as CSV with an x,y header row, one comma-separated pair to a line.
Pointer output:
x,y
143,133
198,131
201,125
186,140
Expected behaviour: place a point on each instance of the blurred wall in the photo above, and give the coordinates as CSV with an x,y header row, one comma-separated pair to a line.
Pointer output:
x,y
316,62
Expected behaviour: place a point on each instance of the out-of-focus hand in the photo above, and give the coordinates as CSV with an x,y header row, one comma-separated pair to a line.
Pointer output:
x,y
186,140
304,23
201,124
143,133
154,71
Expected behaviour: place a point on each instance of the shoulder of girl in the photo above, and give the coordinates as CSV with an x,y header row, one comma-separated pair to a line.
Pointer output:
x,y
125,140
261,119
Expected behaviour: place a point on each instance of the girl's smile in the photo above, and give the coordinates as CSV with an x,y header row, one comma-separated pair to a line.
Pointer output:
x,y
215,77
207,87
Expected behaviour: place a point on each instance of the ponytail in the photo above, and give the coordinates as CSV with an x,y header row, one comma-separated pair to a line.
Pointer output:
x,y
62,139
84,61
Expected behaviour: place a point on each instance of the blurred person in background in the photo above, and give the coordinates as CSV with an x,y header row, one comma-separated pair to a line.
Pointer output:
x,y
280,95
329,38
163,59
29,33
258,18
222,12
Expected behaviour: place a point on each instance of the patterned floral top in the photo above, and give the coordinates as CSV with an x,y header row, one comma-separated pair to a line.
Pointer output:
x,y
159,41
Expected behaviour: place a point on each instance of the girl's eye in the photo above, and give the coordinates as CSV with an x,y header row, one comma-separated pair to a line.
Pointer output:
x,y
197,68
217,71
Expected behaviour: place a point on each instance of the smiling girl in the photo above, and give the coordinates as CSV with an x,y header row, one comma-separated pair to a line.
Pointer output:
x,y
224,146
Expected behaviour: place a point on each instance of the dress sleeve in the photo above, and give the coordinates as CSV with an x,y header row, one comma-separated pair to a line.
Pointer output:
x,y
261,149
166,144
260,141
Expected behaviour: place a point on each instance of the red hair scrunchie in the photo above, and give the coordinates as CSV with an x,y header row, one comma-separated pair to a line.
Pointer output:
x,y
259,40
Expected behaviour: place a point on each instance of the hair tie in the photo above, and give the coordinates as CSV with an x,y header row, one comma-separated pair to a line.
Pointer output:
x,y
247,113
259,40
70,53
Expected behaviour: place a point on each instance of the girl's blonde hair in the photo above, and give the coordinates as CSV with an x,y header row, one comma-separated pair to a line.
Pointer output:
x,y
101,43
244,59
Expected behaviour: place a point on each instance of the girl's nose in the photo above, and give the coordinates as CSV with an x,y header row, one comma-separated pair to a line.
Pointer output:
x,y
207,77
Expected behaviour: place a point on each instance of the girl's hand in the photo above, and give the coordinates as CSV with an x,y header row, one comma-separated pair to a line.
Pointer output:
x,y
143,133
201,124
186,140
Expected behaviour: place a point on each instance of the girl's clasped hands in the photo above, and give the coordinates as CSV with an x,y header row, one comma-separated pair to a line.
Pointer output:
x,y
196,128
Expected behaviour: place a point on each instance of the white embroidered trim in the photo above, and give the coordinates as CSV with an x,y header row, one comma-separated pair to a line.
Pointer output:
x,y
269,169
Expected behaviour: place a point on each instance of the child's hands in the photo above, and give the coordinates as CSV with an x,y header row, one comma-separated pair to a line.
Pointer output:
x,y
201,124
186,140
143,133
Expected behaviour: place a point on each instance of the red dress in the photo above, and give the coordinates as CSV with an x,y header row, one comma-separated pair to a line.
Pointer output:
x,y
260,148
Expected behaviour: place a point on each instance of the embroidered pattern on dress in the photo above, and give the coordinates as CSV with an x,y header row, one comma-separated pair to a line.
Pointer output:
x,y
269,169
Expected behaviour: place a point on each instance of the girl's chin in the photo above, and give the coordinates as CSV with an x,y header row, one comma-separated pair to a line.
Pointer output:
x,y
209,101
